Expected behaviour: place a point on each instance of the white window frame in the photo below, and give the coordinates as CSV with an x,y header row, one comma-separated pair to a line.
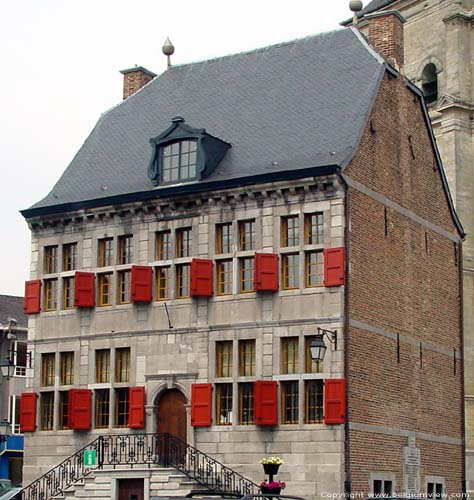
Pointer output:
x,y
382,476
435,480
13,403
21,371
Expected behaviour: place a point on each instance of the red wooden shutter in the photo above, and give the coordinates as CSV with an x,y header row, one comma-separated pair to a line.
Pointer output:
x,y
136,414
80,409
28,411
32,300
334,268
335,401
201,405
201,278
84,289
266,272
265,402
142,283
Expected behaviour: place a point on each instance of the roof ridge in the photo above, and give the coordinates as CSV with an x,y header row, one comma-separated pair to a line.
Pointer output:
x,y
255,51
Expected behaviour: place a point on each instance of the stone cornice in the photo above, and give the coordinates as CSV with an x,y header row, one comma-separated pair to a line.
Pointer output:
x,y
463,16
321,187
447,101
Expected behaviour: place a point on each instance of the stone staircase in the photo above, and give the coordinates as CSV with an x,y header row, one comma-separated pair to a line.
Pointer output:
x,y
161,482
169,467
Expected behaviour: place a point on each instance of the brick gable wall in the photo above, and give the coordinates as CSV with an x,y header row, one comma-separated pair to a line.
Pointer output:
x,y
404,279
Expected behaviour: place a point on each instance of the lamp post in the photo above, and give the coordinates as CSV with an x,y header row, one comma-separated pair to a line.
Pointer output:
x,y
7,368
318,347
4,430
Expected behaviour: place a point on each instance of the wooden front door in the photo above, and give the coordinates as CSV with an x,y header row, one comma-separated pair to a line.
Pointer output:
x,y
171,419
131,489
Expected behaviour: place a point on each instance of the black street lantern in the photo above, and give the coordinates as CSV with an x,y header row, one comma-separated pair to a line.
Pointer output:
x,y
318,347
8,369
4,430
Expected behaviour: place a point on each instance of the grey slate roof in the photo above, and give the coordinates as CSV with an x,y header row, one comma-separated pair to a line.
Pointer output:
x,y
373,6
302,104
12,307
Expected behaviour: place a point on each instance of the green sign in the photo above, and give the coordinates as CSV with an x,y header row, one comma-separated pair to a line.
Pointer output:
x,y
90,458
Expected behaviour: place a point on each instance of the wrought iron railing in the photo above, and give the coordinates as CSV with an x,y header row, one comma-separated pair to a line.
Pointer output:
x,y
139,449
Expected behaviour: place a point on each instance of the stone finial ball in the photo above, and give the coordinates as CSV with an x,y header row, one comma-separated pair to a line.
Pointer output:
x,y
168,48
355,5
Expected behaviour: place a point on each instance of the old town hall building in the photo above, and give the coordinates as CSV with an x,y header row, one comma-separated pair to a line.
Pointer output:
x,y
210,227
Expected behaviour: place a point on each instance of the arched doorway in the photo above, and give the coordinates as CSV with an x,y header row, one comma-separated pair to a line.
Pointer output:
x,y
171,419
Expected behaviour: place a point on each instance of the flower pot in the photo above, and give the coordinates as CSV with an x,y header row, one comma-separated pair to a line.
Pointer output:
x,y
271,469
270,491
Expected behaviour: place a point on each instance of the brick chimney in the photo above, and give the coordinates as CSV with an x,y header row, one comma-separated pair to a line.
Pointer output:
x,y
134,79
386,35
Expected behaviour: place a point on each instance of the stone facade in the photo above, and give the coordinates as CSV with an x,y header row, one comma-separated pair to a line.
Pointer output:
x,y
441,32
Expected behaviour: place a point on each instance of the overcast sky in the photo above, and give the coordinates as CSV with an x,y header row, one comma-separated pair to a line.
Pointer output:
x,y
60,62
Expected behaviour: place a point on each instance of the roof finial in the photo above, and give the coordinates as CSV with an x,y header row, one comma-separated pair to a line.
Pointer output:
x,y
356,7
168,50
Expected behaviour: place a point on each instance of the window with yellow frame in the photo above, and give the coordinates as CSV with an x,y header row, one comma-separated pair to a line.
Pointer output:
x,y
289,355
290,231
105,289
224,358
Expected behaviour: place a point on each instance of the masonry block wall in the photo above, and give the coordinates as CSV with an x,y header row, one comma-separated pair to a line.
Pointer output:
x,y
163,358
404,340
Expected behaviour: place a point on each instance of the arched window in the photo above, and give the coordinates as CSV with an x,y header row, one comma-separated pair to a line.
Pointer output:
x,y
429,83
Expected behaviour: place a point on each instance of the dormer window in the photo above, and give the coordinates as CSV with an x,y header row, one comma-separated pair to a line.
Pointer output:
x,y
183,153
179,160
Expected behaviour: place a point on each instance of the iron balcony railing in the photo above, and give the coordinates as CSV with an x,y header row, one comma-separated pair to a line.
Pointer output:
x,y
139,449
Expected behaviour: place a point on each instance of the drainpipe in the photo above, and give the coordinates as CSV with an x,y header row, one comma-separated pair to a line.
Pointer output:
x,y
347,482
